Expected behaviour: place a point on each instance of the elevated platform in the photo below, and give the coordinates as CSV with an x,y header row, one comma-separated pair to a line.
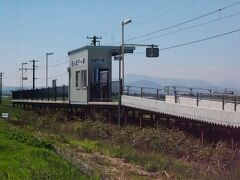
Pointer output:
x,y
212,116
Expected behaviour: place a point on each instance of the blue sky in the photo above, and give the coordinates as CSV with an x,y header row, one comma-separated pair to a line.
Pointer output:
x,y
30,28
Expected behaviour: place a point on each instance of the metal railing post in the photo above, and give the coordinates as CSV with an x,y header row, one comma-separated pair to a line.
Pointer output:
x,y
141,92
223,102
175,95
235,103
197,99
157,94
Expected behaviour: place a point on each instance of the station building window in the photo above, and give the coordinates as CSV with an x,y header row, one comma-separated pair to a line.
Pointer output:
x,y
78,79
81,78
84,78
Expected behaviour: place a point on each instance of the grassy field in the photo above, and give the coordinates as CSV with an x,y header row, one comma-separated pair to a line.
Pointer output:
x,y
22,156
156,150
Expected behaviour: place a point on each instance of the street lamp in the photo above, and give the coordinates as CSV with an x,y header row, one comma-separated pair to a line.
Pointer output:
x,y
127,21
121,81
47,54
21,69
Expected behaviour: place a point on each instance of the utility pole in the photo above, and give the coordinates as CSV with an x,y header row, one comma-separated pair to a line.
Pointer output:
x,y
95,40
34,69
1,77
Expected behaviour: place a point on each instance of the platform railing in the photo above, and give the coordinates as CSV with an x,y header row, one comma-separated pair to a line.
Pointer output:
x,y
108,92
195,95
42,94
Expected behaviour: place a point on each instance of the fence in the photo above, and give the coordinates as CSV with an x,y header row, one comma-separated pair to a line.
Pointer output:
x,y
102,92
195,95
107,92
43,94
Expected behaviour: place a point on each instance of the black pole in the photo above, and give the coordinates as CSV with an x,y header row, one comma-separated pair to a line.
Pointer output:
x,y
33,74
34,69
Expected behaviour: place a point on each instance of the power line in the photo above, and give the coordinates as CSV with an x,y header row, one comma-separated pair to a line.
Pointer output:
x,y
144,16
200,40
193,42
59,75
185,22
166,11
53,65
191,27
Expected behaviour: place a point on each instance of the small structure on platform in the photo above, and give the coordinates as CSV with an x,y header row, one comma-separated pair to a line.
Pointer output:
x,y
90,73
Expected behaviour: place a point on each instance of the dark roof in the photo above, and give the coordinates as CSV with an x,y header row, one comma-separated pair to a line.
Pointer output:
x,y
114,49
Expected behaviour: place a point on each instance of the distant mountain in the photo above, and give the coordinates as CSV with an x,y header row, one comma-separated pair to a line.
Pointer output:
x,y
7,90
143,83
148,81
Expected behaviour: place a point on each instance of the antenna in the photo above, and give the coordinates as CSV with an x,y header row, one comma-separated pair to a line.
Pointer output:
x,y
94,40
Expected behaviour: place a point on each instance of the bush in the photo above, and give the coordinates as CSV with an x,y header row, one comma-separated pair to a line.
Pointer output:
x,y
26,137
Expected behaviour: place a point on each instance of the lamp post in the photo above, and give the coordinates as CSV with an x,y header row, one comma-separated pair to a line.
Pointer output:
x,y
47,54
121,78
21,69
127,21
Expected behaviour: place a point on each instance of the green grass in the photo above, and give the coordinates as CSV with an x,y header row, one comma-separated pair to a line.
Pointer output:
x,y
24,161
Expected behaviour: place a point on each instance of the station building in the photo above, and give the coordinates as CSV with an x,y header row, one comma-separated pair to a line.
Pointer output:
x,y
90,73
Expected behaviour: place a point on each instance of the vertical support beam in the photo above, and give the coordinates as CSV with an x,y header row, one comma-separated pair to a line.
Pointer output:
x,y
168,121
85,113
110,116
232,140
140,119
126,117
133,116
202,135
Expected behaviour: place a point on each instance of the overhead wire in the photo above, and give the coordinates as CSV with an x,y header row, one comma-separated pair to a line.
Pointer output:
x,y
193,42
185,22
191,27
138,21
200,40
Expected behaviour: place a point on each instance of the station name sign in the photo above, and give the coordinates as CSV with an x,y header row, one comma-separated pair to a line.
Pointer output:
x,y
95,60
78,62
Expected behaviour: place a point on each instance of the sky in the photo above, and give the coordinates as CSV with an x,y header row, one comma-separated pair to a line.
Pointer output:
x,y
30,28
